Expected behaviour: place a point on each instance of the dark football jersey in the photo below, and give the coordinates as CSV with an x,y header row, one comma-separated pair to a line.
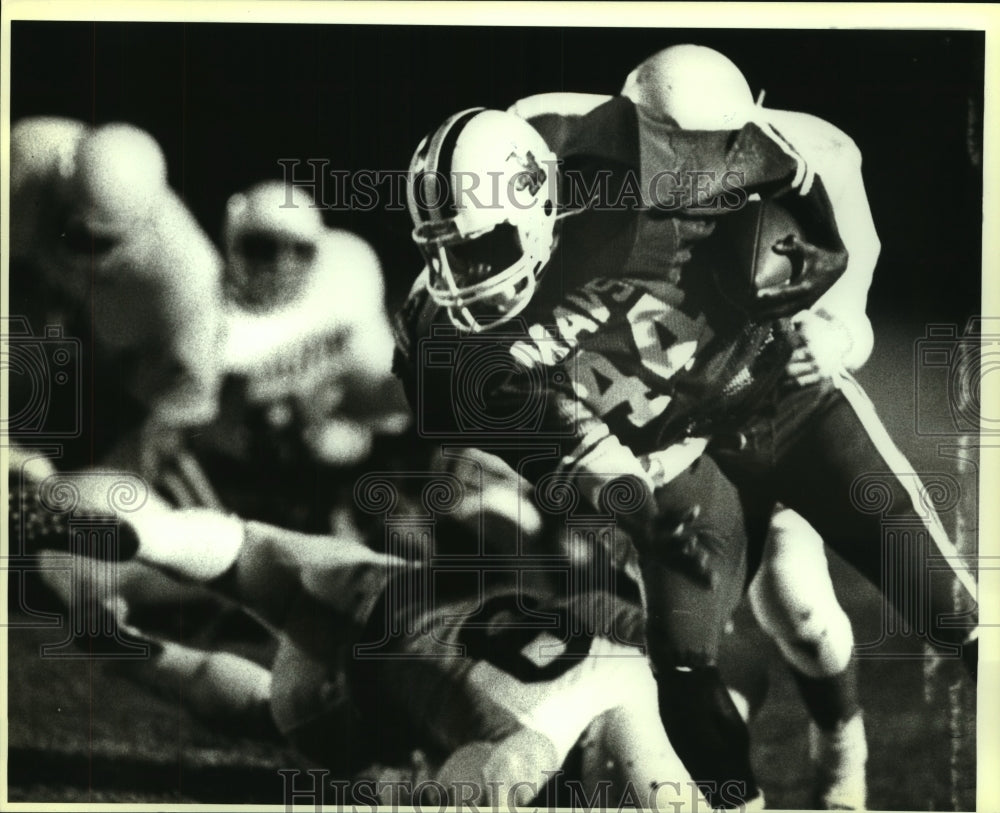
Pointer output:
x,y
628,344
585,390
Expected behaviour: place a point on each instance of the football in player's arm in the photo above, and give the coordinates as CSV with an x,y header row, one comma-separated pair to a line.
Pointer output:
x,y
595,334
643,342
833,335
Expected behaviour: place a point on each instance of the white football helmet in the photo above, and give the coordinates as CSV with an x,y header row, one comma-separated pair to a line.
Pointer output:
x,y
696,87
271,234
482,196
42,158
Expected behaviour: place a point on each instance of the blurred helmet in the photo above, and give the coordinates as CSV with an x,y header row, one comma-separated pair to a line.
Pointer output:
x,y
272,234
696,87
42,158
120,178
130,259
481,194
43,146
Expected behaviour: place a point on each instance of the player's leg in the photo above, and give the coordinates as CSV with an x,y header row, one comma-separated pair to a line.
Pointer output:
x,y
215,685
221,687
842,472
623,757
262,567
793,599
491,687
692,581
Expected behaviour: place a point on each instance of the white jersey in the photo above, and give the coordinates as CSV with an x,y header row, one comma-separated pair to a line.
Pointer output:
x,y
834,156
333,338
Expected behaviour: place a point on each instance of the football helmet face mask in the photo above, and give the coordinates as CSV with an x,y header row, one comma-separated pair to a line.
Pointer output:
x,y
272,235
481,194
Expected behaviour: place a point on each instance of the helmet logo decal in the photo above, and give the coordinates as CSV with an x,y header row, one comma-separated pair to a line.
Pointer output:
x,y
531,176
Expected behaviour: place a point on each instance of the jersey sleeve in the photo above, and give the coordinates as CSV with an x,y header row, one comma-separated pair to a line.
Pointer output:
x,y
369,340
556,115
714,172
409,323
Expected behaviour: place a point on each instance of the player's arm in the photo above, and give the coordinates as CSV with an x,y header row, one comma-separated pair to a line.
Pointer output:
x,y
714,172
756,158
413,320
846,302
592,459
556,115
836,329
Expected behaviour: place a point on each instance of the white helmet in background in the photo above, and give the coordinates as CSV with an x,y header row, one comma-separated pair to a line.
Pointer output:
x,y
95,218
696,87
42,159
481,194
149,275
271,235
120,181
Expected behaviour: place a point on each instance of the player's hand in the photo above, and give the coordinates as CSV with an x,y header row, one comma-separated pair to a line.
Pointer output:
x,y
814,271
822,346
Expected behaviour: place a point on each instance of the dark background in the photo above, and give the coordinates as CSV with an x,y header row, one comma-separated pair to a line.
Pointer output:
x,y
227,101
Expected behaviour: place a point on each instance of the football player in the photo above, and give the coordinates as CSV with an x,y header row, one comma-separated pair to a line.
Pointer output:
x,y
792,596
486,265
308,358
490,693
105,248
829,340
105,251
643,352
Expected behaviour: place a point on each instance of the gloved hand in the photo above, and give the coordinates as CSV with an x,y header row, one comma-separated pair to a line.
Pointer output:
x,y
814,271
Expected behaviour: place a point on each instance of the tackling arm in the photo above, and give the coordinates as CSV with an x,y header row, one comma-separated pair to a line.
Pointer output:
x,y
837,159
555,115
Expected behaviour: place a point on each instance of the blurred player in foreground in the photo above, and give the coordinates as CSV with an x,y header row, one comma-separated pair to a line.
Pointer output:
x,y
464,696
103,249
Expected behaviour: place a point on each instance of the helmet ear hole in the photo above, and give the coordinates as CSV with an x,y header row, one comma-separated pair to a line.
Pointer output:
x,y
548,208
